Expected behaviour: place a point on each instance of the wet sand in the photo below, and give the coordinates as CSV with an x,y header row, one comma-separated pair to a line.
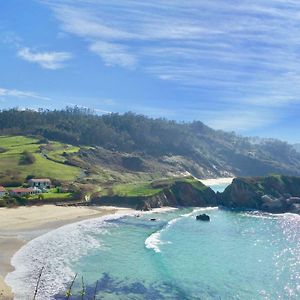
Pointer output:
x,y
22,224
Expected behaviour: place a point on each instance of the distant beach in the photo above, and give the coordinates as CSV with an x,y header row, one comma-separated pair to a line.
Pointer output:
x,y
20,225
216,181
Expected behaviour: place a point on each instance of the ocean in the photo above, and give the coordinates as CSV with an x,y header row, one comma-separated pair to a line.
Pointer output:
x,y
237,255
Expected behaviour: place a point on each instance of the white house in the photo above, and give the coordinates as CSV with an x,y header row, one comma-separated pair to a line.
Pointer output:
x,y
2,191
40,183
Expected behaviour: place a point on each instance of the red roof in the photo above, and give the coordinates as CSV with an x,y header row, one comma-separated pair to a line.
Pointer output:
x,y
2,189
22,190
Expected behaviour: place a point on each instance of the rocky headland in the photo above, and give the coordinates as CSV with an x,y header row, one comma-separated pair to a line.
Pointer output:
x,y
177,192
274,193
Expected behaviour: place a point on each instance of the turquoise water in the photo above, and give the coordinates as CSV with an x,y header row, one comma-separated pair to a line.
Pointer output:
x,y
238,255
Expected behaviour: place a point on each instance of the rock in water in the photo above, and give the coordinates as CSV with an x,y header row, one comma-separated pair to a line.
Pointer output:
x,y
203,217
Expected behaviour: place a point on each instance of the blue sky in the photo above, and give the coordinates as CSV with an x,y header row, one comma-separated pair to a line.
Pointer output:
x,y
232,64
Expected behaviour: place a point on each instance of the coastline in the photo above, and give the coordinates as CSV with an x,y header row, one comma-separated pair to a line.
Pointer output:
x,y
216,181
20,225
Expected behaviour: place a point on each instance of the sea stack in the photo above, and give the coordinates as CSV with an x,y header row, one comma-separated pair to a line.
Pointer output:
x,y
203,217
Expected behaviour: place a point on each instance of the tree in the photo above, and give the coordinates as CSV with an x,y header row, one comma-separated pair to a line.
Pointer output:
x,y
27,158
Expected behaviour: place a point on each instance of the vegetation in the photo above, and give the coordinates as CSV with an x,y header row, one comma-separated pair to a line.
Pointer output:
x,y
27,151
149,142
27,158
139,189
125,155
52,196
149,188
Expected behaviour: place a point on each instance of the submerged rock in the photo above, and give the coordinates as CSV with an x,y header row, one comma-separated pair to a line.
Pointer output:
x,y
203,217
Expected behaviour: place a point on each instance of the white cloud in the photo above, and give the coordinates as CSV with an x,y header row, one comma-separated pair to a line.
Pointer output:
x,y
86,24
113,54
226,37
47,60
21,94
248,51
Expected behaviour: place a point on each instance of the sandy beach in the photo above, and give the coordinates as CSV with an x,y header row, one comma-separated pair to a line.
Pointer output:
x,y
216,181
20,225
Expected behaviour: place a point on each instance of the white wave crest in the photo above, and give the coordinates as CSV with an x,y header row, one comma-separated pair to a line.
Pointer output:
x,y
56,251
154,240
199,209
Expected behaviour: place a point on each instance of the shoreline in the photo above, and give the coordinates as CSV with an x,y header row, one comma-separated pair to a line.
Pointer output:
x,y
20,225
216,181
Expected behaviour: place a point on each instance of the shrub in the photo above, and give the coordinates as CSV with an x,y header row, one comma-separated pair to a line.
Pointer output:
x,y
11,181
43,140
30,177
22,200
56,182
27,158
2,150
3,203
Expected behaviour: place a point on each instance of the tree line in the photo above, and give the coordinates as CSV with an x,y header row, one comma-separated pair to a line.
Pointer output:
x,y
132,132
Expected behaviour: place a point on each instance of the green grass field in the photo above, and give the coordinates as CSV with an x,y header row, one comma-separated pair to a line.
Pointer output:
x,y
55,151
135,189
150,188
50,196
14,146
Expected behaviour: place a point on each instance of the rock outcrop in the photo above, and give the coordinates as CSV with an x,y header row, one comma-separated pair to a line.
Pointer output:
x,y
203,217
276,194
177,193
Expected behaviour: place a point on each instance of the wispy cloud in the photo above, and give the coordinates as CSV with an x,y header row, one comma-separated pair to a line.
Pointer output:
x,y
113,54
195,43
47,60
247,52
20,94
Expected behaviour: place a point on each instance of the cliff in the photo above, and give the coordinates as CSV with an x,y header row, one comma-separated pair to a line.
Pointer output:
x,y
179,192
276,194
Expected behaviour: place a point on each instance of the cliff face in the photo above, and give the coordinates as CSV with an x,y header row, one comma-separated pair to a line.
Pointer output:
x,y
179,193
277,194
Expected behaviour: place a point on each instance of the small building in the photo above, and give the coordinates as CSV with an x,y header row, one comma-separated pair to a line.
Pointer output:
x,y
21,192
40,183
2,191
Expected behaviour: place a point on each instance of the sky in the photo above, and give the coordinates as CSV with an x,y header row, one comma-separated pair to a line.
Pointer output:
x,y
233,64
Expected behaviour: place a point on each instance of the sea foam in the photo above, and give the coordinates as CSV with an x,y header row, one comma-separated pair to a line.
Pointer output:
x,y
154,240
55,251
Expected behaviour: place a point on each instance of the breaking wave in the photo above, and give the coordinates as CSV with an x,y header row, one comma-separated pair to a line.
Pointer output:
x,y
55,252
154,240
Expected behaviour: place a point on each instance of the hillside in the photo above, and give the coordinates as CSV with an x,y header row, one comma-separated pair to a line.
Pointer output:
x,y
124,148
178,191
47,160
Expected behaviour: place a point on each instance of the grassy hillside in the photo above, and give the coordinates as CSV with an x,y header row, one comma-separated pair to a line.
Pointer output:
x,y
13,171
149,188
136,145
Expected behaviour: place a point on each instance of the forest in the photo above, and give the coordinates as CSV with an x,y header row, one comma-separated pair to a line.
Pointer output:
x,y
139,134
